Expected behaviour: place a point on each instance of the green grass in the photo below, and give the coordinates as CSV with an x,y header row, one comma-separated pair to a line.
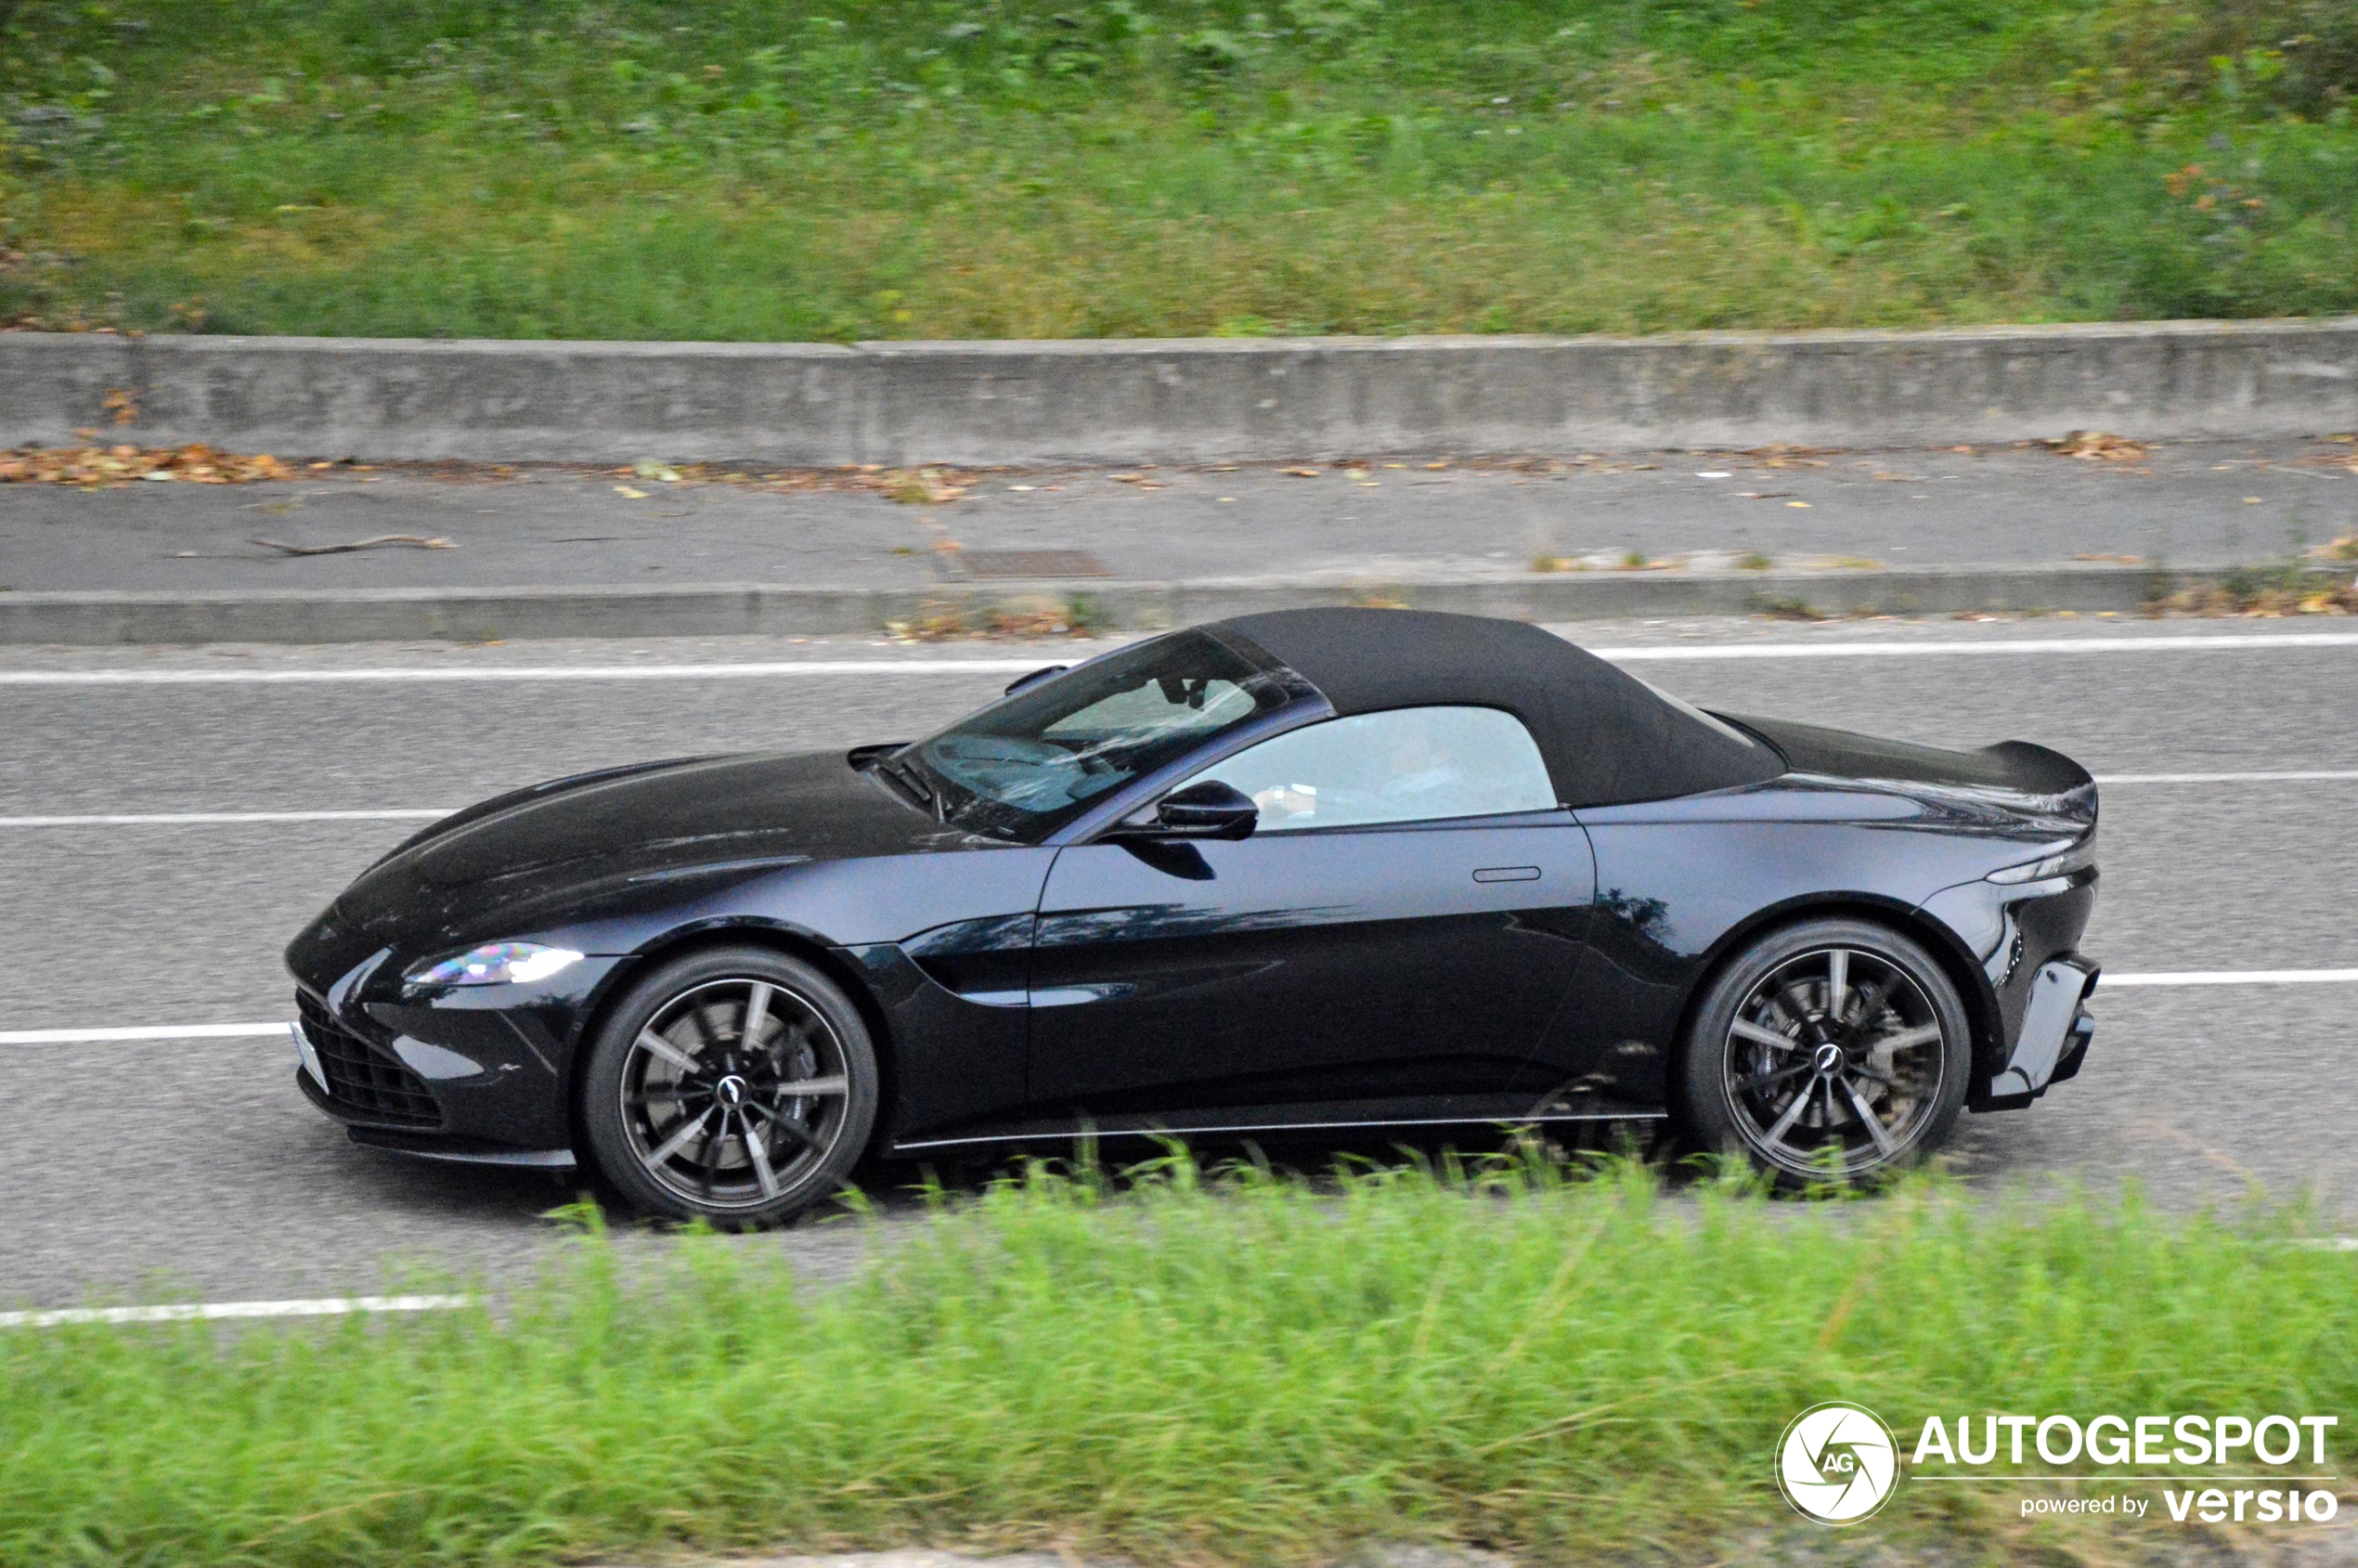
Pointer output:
x,y
1249,1370
785,169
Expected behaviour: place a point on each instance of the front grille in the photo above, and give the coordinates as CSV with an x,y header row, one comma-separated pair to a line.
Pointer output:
x,y
361,1079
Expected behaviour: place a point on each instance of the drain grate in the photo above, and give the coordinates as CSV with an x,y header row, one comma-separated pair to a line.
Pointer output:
x,y
1028,564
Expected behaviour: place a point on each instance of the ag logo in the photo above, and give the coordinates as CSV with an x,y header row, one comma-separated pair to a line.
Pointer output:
x,y
1837,1463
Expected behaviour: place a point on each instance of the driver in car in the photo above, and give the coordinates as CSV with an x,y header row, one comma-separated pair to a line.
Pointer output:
x,y
1413,766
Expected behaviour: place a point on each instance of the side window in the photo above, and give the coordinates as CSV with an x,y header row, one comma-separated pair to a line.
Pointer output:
x,y
1413,764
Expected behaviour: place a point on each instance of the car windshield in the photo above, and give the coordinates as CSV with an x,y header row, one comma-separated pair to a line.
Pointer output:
x,y
1025,765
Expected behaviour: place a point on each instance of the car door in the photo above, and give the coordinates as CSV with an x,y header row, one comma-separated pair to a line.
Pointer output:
x,y
1391,943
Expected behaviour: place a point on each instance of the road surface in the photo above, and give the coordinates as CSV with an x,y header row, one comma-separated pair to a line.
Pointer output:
x,y
189,1168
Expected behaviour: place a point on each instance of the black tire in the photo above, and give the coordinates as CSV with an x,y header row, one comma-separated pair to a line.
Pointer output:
x,y
1769,1073
683,1116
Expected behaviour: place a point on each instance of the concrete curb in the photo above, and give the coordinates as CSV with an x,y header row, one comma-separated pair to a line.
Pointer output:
x,y
762,609
1180,400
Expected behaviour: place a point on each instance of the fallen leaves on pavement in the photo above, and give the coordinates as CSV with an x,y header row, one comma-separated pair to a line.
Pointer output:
x,y
928,485
918,486
91,467
2289,595
937,621
2095,445
1779,455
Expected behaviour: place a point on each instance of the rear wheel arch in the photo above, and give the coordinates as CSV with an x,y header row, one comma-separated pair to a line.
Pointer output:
x,y
1972,986
1779,1068
680,944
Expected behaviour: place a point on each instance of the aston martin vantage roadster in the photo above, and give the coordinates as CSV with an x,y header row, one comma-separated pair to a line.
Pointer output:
x,y
1320,869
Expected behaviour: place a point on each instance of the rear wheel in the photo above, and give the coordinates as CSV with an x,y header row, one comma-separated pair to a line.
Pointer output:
x,y
736,1086
1834,1048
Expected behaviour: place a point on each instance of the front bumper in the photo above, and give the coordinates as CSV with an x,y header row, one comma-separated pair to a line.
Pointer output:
x,y
471,1072
431,1146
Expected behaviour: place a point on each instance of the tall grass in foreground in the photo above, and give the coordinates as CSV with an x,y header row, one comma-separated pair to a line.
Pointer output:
x,y
1247,1370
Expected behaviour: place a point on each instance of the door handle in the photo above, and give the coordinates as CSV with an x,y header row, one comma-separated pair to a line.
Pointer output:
x,y
1508,874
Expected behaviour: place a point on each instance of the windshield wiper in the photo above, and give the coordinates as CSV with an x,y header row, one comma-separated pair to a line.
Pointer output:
x,y
909,778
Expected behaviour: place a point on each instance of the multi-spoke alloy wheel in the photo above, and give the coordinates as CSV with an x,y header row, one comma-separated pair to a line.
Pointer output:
x,y
1835,1048
737,1086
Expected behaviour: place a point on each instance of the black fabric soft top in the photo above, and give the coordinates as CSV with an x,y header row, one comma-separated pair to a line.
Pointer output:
x,y
1607,739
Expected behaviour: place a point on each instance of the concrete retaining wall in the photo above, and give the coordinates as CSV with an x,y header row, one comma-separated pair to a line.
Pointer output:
x,y
1179,401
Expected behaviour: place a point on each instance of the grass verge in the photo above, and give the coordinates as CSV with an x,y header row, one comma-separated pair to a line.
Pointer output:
x,y
1232,1370
788,169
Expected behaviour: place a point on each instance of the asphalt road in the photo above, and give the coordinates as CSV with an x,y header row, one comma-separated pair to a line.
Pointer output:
x,y
191,1170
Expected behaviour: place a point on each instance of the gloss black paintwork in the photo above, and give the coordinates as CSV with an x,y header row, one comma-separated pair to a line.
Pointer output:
x,y
1305,966
800,850
1445,971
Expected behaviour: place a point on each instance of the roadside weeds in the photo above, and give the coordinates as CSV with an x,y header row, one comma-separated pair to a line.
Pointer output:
x,y
1186,1365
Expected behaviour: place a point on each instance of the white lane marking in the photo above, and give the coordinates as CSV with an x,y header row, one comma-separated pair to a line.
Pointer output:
x,y
189,1312
2321,775
144,1031
2231,642
513,672
2111,981
2229,976
2225,643
199,819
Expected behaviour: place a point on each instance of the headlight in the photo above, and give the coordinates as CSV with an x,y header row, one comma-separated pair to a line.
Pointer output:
x,y
496,963
2075,857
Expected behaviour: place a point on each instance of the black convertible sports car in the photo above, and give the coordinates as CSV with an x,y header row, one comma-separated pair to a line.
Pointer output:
x,y
1314,869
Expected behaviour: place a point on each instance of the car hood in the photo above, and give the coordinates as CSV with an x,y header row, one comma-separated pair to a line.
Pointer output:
x,y
565,841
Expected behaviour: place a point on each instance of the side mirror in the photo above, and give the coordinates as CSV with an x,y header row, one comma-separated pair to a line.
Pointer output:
x,y
1210,809
1037,676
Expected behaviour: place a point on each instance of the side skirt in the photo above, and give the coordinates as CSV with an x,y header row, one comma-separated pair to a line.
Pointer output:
x,y
1333,1116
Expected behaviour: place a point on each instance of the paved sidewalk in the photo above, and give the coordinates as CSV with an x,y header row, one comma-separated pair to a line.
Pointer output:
x,y
578,552
2207,505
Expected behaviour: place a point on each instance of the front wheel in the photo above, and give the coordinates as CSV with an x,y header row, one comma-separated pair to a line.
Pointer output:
x,y
736,1086
1837,1048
